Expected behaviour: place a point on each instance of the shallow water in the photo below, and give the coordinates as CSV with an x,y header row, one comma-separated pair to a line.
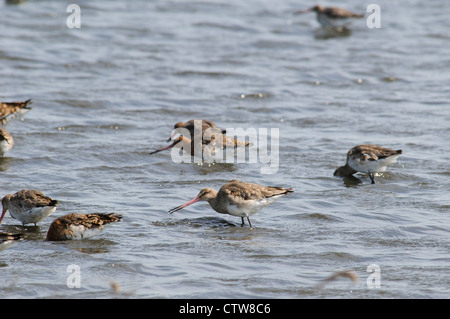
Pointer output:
x,y
108,93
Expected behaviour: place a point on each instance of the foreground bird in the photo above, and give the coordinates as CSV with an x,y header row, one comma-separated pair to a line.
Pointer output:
x,y
238,198
79,226
332,16
8,110
7,239
28,206
369,159
6,142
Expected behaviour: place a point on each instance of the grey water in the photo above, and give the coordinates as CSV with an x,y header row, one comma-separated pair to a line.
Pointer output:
x,y
108,93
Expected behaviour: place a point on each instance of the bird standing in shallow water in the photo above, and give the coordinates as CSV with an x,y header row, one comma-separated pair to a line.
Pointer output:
x,y
238,198
79,226
369,159
332,16
6,142
28,206
202,139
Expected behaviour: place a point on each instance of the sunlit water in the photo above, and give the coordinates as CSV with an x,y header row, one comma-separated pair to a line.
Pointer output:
x,y
108,93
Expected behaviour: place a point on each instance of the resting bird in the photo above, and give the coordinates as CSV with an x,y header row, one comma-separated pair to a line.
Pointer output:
x,y
79,226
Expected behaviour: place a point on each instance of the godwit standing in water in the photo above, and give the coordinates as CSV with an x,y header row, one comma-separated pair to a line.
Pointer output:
x,y
8,110
6,142
238,198
332,16
79,226
369,159
191,127
7,239
28,206
207,150
209,132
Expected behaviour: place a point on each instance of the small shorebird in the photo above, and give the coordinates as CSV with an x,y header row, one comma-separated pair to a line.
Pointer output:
x,y
190,126
332,16
6,142
7,239
28,206
8,110
238,198
79,226
368,159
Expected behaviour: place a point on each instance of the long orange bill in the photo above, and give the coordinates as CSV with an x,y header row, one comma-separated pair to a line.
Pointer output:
x,y
192,201
165,148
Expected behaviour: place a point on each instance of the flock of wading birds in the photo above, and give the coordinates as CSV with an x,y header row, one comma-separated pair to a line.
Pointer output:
x,y
236,198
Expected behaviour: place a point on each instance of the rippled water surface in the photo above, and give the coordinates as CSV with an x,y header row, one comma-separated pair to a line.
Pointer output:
x,y
108,93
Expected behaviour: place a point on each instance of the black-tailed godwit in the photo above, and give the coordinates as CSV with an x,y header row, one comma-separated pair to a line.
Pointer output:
x,y
238,198
28,206
76,226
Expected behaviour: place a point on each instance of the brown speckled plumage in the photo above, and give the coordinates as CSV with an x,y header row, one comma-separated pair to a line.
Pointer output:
x,y
77,226
10,109
28,206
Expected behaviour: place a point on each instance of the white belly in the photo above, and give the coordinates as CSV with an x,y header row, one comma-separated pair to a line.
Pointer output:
x,y
78,232
250,207
4,147
33,215
366,166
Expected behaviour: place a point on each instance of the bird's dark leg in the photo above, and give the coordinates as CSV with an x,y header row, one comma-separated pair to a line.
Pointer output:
x,y
242,225
249,222
372,177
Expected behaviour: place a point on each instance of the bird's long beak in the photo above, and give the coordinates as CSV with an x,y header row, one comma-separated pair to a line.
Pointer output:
x,y
165,148
192,201
3,214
